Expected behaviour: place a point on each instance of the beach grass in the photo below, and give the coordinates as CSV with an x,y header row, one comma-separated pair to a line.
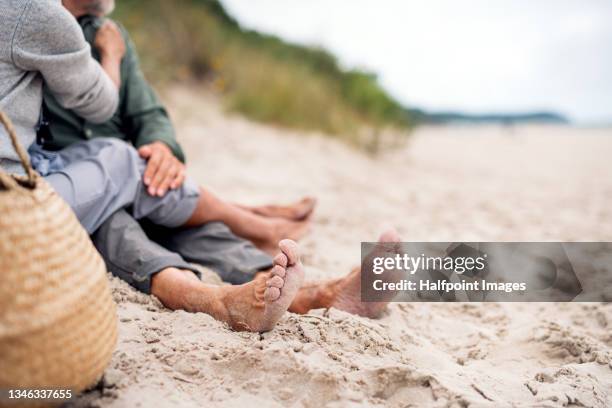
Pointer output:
x,y
260,76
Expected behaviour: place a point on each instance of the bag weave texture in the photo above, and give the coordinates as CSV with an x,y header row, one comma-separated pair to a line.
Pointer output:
x,y
58,323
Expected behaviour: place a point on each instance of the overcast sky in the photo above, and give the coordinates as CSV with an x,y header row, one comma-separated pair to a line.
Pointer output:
x,y
471,55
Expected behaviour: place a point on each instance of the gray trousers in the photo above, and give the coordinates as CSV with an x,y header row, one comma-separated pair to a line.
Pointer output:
x,y
101,176
136,251
101,180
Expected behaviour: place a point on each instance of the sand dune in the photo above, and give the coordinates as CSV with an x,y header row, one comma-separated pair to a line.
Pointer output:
x,y
446,184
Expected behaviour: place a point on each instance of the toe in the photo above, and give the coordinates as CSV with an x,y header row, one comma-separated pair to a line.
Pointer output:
x,y
275,282
279,271
271,294
291,250
311,202
308,201
389,235
281,259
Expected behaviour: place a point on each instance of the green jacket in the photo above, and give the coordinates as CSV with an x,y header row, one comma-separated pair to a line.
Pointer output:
x,y
139,119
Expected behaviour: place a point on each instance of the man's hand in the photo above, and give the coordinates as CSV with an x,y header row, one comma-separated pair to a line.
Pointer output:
x,y
164,171
109,41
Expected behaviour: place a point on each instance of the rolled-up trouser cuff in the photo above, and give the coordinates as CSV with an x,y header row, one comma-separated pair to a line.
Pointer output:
x,y
141,277
130,255
213,246
239,274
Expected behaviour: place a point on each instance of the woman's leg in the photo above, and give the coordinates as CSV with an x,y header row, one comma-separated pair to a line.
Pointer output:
x,y
101,176
298,211
264,232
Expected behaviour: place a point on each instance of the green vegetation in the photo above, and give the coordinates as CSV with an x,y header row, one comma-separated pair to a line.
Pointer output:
x,y
259,75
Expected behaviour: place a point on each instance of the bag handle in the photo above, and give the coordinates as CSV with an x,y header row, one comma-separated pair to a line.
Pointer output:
x,y
23,156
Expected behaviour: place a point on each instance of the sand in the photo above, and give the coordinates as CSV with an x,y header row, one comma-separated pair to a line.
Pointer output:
x,y
448,184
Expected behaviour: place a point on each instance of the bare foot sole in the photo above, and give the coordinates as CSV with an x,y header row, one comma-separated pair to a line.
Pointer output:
x,y
348,296
257,306
299,211
344,293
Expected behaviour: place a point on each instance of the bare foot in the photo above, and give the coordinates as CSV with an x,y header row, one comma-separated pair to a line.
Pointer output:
x,y
299,211
257,306
344,293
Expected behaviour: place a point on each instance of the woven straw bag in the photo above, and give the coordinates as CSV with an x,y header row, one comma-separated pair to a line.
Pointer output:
x,y
58,324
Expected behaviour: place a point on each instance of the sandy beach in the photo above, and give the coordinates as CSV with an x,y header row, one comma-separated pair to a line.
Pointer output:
x,y
531,183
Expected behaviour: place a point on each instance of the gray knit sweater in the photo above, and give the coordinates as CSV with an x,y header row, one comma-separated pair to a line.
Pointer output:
x,y
40,42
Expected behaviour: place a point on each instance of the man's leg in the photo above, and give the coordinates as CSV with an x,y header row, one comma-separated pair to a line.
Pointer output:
x,y
236,261
131,255
255,306
214,246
